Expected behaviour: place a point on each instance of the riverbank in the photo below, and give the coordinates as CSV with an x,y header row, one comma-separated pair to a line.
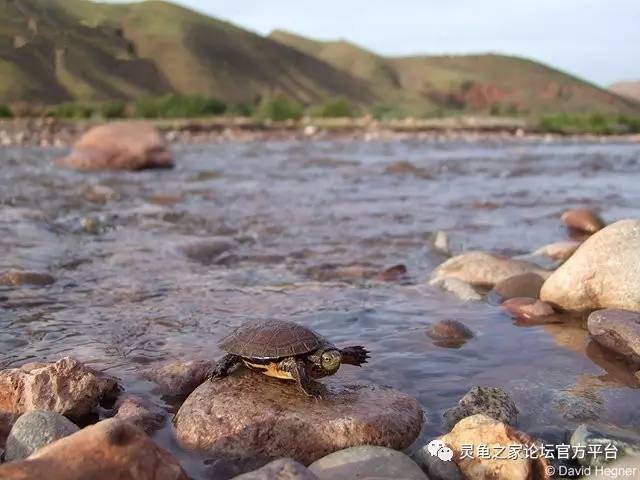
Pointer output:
x,y
62,133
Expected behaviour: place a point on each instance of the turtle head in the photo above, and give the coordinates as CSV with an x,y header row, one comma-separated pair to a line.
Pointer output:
x,y
330,361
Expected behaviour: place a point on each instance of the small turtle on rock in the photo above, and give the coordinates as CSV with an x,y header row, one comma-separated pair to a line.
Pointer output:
x,y
285,350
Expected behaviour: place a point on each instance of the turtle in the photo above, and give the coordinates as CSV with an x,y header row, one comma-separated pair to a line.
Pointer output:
x,y
285,350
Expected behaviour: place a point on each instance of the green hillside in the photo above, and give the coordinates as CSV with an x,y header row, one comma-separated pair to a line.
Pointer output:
x,y
56,51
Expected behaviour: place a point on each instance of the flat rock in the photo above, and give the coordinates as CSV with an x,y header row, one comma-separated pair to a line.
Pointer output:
x,y
281,469
253,415
66,386
582,219
484,269
366,462
527,308
34,430
179,378
481,430
524,285
617,330
15,278
603,273
119,146
108,450
490,401
140,412
622,443
460,289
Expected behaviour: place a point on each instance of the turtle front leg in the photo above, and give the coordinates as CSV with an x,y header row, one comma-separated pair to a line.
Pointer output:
x,y
356,355
298,371
224,366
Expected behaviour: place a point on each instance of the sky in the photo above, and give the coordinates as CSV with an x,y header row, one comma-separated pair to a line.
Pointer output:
x,y
598,40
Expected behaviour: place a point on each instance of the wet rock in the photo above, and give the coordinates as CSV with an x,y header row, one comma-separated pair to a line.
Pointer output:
x,y
125,453
15,278
179,378
407,168
435,468
282,469
484,269
34,430
582,219
208,252
140,412
343,273
578,406
602,273
366,462
527,308
441,242
618,442
392,274
66,386
525,285
559,250
490,401
249,414
6,422
617,330
449,333
462,290
482,430
119,146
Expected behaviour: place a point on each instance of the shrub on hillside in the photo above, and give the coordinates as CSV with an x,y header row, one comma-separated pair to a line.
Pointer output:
x,y
113,109
71,110
337,108
178,106
5,112
279,109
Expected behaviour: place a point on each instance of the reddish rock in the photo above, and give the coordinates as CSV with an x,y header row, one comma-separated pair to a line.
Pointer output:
x,y
617,330
392,274
140,412
16,278
527,308
524,285
449,333
6,422
582,219
179,378
249,414
119,146
66,386
559,250
281,469
109,450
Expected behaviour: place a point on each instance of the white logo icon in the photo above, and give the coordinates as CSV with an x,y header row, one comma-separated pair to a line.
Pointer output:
x,y
437,448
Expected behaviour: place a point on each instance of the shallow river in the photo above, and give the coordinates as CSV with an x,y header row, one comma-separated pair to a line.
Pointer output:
x,y
175,259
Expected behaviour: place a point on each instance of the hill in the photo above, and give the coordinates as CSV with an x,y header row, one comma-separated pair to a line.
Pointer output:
x,y
55,51
629,89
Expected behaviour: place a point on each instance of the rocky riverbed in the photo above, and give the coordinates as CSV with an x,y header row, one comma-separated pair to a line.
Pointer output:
x,y
469,268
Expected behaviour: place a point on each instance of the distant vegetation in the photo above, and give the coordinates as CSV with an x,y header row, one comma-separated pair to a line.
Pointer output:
x,y
279,109
5,112
177,106
338,108
597,124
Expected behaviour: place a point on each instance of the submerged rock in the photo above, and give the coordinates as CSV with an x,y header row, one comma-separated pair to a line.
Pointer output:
x,y
611,443
140,412
524,285
617,330
527,308
15,278
179,378
462,290
484,269
366,462
108,450
66,386
490,401
282,469
479,430
209,251
34,430
602,273
119,146
449,333
583,219
392,274
249,414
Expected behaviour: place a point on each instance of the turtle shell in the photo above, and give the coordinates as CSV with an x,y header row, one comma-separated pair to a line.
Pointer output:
x,y
272,339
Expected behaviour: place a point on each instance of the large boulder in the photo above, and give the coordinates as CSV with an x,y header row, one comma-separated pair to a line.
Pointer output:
x,y
478,431
178,378
119,146
105,451
66,386
617,330
249,414
366,462
484,269
281,469
603,273
34,430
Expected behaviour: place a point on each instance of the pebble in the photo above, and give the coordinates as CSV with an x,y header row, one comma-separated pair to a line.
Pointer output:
x,y
449,333
582,219
527,308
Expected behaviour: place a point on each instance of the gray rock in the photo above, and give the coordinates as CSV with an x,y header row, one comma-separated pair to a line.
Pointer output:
x,y
34,430
617,330
282,469
625,442
435,468
490,401
524,285
364,462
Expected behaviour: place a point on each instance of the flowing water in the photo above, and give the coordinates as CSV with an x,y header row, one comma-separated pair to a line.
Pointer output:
x,y
174,259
